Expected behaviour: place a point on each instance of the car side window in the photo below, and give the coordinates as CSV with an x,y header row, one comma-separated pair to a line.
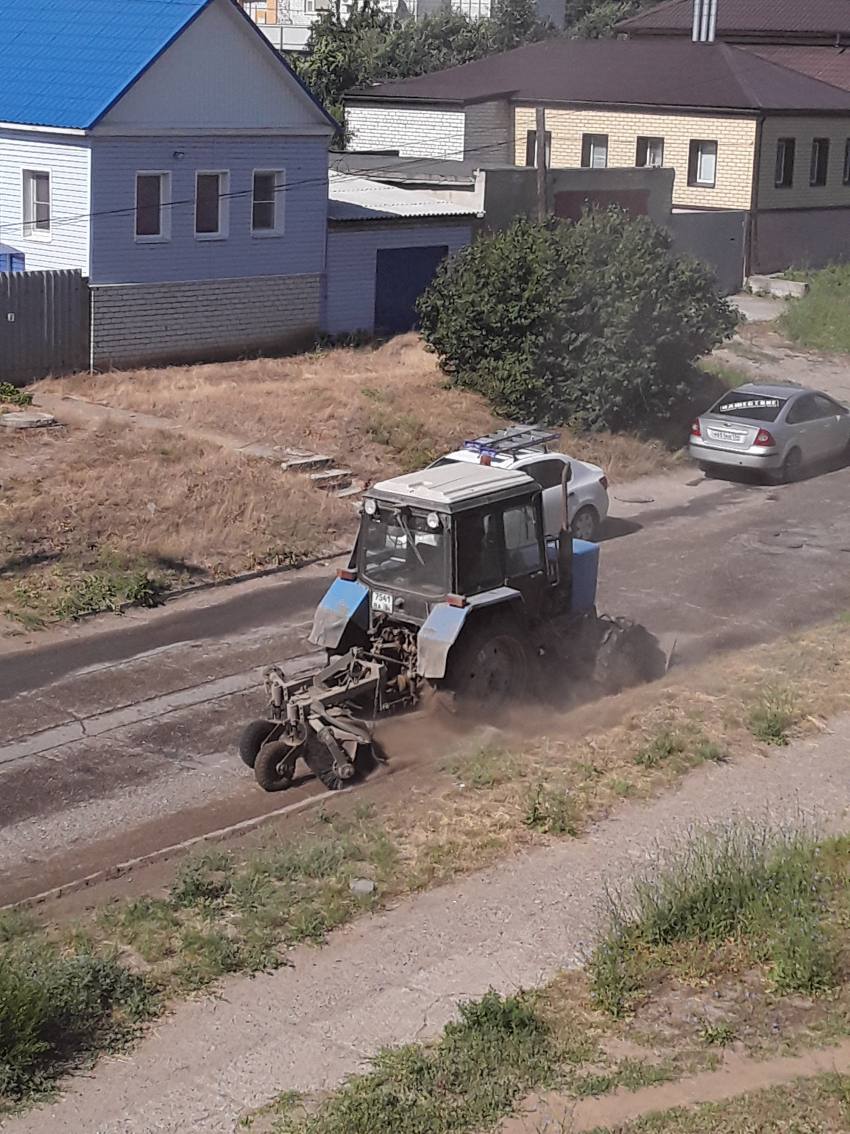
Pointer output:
x,y
547,473
522,541
802,410
826,407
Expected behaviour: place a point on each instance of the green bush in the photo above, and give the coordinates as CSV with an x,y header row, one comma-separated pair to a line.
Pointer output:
x,y
595,324
57,1011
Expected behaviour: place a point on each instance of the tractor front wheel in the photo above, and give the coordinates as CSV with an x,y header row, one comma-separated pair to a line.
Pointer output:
x,y
252,740
275,766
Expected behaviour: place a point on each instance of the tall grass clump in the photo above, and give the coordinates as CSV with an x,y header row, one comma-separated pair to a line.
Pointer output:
x,y
58,1010
493,1055
740,880
821,319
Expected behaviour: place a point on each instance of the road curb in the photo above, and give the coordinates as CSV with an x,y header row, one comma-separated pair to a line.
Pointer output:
x,y
162,855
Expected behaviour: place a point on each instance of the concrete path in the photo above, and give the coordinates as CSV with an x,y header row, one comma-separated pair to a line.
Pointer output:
x,y
759,308
396,976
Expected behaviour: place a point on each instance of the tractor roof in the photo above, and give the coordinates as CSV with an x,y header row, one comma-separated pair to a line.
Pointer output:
x,y
453,487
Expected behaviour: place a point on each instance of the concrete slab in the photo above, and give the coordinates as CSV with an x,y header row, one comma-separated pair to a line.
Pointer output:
x,y
759,308
28,419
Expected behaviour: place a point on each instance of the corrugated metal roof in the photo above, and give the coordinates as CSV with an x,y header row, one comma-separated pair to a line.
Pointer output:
x,y
806,17
822,63
358,198
660,72
66,61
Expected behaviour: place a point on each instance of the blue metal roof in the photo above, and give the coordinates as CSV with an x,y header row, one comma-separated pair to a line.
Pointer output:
x,y
65,62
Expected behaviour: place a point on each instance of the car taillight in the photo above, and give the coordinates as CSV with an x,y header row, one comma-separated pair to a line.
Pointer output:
x,y
695,431
763,438
603,480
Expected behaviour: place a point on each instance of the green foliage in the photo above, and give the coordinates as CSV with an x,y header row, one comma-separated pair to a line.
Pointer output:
x,y
57,1010
11,395
484,1063
366,46
106,590
734,881
483,767
821,319
595,324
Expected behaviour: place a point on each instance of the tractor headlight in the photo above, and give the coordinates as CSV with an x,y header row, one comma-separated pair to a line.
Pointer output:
x,y
433,521
370,506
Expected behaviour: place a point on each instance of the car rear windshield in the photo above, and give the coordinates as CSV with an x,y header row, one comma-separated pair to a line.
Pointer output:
x,y
754,407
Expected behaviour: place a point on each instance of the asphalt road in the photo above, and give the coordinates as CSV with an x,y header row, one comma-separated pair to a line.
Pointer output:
x,y
120,741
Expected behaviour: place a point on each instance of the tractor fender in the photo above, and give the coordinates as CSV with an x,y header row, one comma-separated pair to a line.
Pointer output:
x,y
345,602
443,625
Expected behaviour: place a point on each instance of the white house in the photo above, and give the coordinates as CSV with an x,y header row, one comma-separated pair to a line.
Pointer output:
x,y
169,153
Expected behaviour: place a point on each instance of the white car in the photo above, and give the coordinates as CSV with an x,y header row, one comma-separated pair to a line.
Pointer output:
x,y
525,448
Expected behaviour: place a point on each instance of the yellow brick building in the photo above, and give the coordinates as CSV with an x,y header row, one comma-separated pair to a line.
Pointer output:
x,y
739,131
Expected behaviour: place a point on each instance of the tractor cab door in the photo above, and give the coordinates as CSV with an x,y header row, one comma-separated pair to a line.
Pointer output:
x,y
502,545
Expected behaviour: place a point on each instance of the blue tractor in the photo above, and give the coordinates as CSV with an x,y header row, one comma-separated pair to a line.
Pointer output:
x,y
452,586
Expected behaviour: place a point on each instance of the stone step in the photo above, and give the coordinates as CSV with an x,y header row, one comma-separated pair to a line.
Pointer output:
x,y
332,478
351,491
306,464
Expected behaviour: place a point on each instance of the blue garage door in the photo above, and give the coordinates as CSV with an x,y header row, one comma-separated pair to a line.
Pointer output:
x,y
402,275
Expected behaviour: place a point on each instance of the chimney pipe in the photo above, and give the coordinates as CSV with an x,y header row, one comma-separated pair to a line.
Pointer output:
x,y
697,16
712,20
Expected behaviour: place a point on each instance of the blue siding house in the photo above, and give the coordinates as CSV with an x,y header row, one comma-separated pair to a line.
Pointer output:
x,y
166,150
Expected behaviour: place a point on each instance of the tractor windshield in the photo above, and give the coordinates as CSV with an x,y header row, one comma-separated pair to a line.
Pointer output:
x,y
406,550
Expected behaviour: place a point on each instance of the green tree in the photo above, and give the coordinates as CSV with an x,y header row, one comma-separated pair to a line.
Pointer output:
x,y
597,324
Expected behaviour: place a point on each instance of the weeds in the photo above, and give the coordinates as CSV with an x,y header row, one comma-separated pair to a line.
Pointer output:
x,y
57,1010
11,395
821,319
483,767
496,1052
772,715
552,811
736,881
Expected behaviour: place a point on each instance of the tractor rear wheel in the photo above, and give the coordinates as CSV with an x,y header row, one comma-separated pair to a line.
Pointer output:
x,y
252,740
490,667
628,655
275,766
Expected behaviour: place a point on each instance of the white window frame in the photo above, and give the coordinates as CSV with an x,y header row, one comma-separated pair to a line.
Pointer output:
x,y
594,146
28,183
701,148
223,204
279,204
164,235
309,7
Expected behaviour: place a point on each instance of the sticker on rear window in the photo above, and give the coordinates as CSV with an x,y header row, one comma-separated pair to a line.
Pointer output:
x,y
750,403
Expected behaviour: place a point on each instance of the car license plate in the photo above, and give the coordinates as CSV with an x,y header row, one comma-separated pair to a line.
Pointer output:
x,y
382,602
725,435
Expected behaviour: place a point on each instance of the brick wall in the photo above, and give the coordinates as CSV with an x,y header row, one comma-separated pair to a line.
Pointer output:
x,y
735,139
801,194
203,320
488,136
413,132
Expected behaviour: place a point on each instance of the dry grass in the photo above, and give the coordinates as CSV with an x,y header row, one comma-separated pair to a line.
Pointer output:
x,y
380,410
85,500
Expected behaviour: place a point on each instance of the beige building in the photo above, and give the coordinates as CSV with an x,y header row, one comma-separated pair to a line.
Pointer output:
x,y
740,131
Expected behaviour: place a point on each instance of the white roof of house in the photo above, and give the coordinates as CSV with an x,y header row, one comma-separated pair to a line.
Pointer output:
x,y
359,198
451,484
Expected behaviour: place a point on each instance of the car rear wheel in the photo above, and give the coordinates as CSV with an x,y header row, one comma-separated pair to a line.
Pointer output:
x,y
791,467
585,524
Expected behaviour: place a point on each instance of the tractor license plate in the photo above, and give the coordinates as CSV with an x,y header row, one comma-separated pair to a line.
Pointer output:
x,y
382,602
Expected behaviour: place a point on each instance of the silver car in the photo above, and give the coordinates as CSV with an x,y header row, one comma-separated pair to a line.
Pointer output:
x,y
772,429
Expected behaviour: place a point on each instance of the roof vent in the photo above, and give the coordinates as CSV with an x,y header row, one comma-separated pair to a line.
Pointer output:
x,y
705,21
